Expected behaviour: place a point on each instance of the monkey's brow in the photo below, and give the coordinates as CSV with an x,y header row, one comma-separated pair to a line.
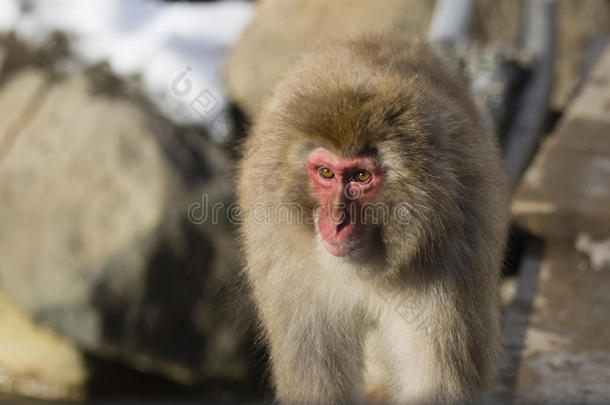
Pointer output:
x,y
369,151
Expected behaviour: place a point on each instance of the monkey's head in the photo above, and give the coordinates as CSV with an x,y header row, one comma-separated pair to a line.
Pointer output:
x,y
385,157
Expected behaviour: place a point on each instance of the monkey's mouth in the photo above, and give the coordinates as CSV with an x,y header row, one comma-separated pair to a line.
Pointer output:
x,y
338,239
341,250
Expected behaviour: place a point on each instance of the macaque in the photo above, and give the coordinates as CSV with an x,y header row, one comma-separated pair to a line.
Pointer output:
x,y
374,211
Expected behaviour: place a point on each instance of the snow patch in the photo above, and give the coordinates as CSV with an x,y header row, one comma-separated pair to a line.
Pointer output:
x,y
171,47
9,13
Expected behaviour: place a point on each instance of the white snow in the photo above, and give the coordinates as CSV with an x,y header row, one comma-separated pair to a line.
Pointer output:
x,y
176,49
9,12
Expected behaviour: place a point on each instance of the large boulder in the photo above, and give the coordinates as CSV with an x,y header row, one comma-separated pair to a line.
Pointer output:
x,y
34,361
282,30
103,235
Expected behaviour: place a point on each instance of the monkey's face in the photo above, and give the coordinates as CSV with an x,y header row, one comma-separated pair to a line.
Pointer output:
x,y
342,187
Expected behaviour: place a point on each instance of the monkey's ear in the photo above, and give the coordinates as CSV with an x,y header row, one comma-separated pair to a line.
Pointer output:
x,y
303,151
437,137
436,129
396,114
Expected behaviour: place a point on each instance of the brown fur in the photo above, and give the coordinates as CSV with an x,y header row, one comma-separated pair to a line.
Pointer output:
x,y
397,101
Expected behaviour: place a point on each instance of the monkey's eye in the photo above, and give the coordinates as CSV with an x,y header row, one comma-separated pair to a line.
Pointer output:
x,y
363,176
326,173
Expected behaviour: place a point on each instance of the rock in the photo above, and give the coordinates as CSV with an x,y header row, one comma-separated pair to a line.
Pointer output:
x,y
19,97
566,190
282,30
35,361
97,240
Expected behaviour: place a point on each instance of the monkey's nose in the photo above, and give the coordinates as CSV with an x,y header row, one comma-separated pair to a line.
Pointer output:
x,y
344,223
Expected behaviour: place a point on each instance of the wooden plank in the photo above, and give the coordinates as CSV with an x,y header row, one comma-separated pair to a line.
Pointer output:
x,y
566,190
565,357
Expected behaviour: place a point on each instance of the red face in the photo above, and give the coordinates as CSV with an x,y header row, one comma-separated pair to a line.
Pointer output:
x,y
342,187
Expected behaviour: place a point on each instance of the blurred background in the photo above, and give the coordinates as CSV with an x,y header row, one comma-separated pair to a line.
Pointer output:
x,y
119,130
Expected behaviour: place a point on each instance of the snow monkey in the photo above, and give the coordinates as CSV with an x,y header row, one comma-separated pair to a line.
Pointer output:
x,y
374,211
